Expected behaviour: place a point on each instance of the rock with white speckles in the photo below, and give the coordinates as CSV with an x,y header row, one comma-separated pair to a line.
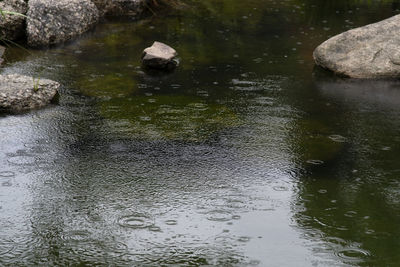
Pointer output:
x,y
21,93
372,51
11,25
51,22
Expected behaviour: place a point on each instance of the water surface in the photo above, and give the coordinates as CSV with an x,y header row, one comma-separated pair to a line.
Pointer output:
x,y
246,155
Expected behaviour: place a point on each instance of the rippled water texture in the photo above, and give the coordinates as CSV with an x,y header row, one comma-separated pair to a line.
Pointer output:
x,y
246,155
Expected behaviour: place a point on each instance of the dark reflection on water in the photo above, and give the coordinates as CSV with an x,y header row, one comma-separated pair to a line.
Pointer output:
x,y
349,204
245,155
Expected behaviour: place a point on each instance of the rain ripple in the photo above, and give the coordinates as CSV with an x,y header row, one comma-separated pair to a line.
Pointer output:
x,y
135,221
352,254
7,174
6,246
219,215
6,178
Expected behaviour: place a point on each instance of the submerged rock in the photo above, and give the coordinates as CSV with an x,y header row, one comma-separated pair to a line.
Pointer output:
x,y
159,56
56,21
19,93
121,7
12,26
372,51
2,50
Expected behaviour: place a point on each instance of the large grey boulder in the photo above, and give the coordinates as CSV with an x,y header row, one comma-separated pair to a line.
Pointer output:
x,y
55,21
121,7
372,51
12,26
159,56
19,93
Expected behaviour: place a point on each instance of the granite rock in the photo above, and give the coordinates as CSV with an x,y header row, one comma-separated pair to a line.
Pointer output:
x,y
20,93
12,26
55,21
372,51
159,56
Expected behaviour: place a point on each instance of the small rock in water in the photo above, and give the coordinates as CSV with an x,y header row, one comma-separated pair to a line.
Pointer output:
x,y
159,56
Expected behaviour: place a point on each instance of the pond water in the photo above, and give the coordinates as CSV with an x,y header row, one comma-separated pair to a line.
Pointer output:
x,y
246,155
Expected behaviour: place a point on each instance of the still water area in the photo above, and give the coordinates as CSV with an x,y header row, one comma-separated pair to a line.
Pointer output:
x,y
245,155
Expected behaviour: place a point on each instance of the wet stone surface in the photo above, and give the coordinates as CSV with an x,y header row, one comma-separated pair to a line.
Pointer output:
x,y
53,22
159,56
20,93
12,25
370,51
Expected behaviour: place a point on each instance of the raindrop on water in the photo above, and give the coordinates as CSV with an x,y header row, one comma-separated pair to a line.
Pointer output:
x,y
337,138
135,221
171,222
154,228
7,174
219,215
352,254
280,188
350,214
236,217
369,231
145,118
315,161
6,183
244,239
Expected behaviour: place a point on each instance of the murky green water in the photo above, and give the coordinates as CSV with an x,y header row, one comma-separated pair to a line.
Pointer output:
x,y
245,155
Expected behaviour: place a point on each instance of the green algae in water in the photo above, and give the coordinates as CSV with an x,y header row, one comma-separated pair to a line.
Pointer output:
x,y
173,117
317,144
107,85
